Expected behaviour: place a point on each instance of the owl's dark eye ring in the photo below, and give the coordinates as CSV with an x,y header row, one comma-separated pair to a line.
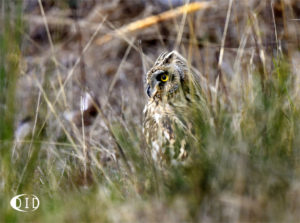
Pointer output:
x,y
164,77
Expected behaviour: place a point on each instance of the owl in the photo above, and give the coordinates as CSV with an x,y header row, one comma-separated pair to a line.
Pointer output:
x,y
171,88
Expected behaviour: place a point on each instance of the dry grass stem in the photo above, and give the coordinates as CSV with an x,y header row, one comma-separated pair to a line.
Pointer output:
x,y
152,20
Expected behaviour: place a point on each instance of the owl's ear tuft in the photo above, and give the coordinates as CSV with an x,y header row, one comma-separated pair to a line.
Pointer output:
x,y
170,57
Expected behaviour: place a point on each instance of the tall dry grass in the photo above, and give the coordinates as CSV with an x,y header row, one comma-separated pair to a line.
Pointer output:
x,y
85,156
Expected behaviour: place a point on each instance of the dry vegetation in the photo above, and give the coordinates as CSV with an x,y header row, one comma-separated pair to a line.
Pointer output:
x,y
72,95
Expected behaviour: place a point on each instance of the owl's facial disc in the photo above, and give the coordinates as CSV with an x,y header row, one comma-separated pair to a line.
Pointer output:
x,y
158,80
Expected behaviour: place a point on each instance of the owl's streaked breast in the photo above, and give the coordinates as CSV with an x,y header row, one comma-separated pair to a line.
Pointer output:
x,y
159,127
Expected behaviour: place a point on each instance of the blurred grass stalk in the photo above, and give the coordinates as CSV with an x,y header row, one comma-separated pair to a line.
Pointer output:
x,y
9,70
10,47
10,57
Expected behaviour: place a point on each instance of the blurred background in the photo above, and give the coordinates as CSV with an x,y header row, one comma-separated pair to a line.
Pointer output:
x,y
72,76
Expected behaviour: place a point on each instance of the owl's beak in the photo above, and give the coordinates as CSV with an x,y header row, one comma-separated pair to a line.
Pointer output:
x,y
152,91
149,91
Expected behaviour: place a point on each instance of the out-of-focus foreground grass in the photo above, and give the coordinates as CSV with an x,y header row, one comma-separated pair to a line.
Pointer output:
x,y
243,163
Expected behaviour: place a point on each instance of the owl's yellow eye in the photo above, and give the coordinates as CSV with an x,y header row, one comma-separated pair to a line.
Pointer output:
x,y
164,77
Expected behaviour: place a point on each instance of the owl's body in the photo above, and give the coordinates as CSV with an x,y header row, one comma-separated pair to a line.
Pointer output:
x,y
159,123
171,88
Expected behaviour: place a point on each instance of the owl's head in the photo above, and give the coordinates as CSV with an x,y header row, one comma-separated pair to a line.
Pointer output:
x,y
167,76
